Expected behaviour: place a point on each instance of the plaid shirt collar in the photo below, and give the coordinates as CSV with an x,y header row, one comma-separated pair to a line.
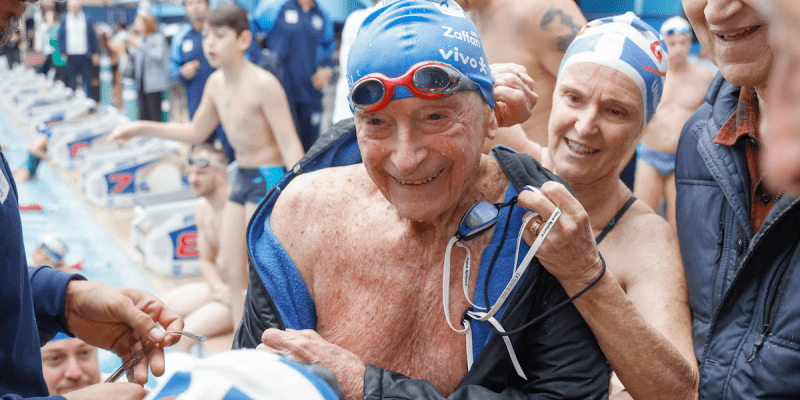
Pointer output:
x,y
743,122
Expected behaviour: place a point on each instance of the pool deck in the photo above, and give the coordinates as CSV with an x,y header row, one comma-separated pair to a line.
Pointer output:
x,y
116,221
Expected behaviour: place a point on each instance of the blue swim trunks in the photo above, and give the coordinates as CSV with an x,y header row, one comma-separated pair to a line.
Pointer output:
x,y
664,163
32,164
252,184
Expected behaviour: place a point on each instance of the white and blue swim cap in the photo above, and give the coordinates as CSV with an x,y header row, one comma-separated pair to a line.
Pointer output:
x,y
243,375
676,25
54,248
399,34
628,45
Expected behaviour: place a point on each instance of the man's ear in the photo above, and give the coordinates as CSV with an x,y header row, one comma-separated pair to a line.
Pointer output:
x,y
491,131
244,39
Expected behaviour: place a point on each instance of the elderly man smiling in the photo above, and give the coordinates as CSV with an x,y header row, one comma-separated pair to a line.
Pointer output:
x,y
738,235
355,261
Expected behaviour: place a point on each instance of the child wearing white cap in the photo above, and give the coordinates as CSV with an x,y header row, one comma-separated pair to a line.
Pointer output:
x,y
51,251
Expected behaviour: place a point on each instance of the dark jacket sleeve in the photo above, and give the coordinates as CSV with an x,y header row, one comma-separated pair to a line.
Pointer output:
x,y
559,355
18,397
93,46
259,315
62,35
49,289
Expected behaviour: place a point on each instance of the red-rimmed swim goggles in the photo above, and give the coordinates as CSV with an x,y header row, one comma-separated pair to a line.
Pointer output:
x,y
429,80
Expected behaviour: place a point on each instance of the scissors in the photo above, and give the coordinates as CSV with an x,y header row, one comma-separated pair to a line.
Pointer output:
x,y
144,351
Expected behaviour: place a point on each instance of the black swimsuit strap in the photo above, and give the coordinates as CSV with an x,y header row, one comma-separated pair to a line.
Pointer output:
x,y
616,218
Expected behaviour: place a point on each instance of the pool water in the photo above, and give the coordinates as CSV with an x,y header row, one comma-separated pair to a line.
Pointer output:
x,y
62,212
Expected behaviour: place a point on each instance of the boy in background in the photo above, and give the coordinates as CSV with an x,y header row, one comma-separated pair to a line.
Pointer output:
x,y
252,107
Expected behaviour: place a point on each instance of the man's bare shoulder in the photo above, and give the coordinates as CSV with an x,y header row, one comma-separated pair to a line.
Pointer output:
x,y
204,213
323,194
315,208
558,20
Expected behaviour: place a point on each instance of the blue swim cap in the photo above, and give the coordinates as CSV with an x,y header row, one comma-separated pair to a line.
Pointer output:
x,y
628,45
402,33
60,336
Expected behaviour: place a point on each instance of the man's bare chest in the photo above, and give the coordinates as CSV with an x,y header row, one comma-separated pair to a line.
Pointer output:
x,y
388,309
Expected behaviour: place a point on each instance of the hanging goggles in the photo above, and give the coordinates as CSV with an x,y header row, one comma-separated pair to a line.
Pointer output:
x,y
478,220
429,80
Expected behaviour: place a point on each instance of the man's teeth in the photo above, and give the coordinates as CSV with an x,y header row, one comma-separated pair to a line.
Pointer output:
x,y
580,149
738,34
422,181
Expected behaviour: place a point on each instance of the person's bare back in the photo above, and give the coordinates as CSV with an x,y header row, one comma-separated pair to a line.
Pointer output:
x,y
534,34
683,95
240,102
380,299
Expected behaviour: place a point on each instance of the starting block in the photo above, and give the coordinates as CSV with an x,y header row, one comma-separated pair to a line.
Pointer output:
x,y
112,178
164,232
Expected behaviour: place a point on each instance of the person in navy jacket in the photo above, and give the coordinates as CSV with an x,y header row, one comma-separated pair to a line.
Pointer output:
x,y
300,32
78,43
188,64
39,302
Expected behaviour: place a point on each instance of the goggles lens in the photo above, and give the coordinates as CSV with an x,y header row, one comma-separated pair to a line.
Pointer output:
x,y
429,80
672,31
368,92
201,162
433,79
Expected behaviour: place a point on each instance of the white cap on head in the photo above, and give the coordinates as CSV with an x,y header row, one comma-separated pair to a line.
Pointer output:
x,y
676,25
245,374
53,246
628,45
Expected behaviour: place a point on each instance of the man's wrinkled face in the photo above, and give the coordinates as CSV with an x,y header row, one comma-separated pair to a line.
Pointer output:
x,y
69,365
781,133
423,154
735,35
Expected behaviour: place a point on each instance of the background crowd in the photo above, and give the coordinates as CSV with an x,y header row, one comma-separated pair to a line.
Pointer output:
x,y
690,299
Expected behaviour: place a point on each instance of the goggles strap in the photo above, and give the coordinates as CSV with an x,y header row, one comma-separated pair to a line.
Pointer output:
x,y
518,272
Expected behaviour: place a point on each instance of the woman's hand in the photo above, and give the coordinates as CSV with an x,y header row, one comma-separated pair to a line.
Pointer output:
x,y
569,252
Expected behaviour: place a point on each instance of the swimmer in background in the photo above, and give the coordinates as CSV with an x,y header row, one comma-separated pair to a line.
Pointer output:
x,y
685,87
506,28
51,251
205,306
252,107
36,153
69,364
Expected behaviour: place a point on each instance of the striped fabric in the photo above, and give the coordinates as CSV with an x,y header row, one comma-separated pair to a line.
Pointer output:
x,y
241,375
628,45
